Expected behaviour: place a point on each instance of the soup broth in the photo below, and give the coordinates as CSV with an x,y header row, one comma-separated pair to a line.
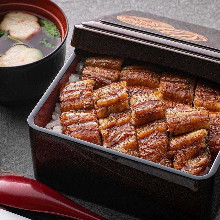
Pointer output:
x,y
46,40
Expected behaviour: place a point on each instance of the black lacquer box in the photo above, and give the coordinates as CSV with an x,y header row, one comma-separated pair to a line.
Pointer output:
x,y
130,184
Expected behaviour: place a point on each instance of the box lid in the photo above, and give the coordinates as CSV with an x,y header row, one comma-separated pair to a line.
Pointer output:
x,y
151,38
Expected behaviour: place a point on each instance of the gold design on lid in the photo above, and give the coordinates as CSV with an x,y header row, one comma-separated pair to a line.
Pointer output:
x,y
145,22
185,35
162,27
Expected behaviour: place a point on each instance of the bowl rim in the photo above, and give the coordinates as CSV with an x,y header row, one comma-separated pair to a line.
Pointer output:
x,y
30,121
50,54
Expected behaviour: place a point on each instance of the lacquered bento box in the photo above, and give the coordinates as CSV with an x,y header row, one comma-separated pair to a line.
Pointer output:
x,y
121,181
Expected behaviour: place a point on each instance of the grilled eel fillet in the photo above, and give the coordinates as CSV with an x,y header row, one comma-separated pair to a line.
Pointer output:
x,y
170,104
140,76
82,125
146,108
111,99
190,153
185,119
214,133
101,76
153,142
104,62
118,133
177,88
77,96
139,90
207,95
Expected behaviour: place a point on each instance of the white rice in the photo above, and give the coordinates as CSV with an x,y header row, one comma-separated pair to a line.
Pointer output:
x,y
79,67
74,78
77,76
55,123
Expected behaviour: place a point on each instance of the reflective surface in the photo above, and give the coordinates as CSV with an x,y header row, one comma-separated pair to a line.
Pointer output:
x,y
28,194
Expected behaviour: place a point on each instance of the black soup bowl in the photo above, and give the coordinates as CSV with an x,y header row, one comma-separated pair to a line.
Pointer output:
x,y
22,84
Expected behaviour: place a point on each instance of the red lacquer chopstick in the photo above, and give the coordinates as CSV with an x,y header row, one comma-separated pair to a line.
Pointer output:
x,y
23,193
